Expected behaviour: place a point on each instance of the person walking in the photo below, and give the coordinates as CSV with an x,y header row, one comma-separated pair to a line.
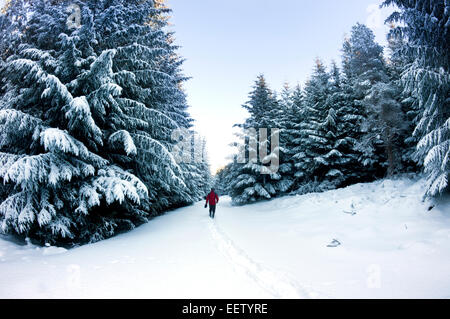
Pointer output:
x,y
212,199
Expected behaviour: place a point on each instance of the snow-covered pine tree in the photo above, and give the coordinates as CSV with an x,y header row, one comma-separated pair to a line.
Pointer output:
x,y
313,143
396,64
206,178
339,156
147,68
295,122
223,179
81,124
385,122
364,66
363,57
425,24
284,122
56,181
250,183
11,20
197,172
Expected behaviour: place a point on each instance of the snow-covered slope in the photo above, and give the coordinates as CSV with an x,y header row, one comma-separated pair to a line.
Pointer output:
x,y
366,241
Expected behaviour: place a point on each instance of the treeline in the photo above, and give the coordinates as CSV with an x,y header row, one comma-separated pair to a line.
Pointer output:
x,y
374,116
89,99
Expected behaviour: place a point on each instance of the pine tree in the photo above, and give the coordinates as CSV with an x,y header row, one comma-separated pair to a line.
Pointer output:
x,y
148,71
224,178
253,180
296,120
385,121
12,21
425,24
313,142
364,66
339,155
363,57
206,178
350,118
86,118
284,116
397,62
197,174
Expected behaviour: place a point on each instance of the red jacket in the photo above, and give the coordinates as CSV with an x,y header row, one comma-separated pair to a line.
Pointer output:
x,y
212,199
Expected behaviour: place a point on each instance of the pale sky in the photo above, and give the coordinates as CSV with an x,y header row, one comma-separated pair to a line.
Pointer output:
x,y
226,44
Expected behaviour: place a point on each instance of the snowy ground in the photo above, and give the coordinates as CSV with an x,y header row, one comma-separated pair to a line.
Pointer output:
x,y
391,246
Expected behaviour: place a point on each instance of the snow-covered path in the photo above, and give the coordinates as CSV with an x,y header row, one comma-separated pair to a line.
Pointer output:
x,y
391,247
174,256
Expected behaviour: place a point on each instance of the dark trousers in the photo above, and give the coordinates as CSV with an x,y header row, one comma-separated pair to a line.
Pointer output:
x,y
212,211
